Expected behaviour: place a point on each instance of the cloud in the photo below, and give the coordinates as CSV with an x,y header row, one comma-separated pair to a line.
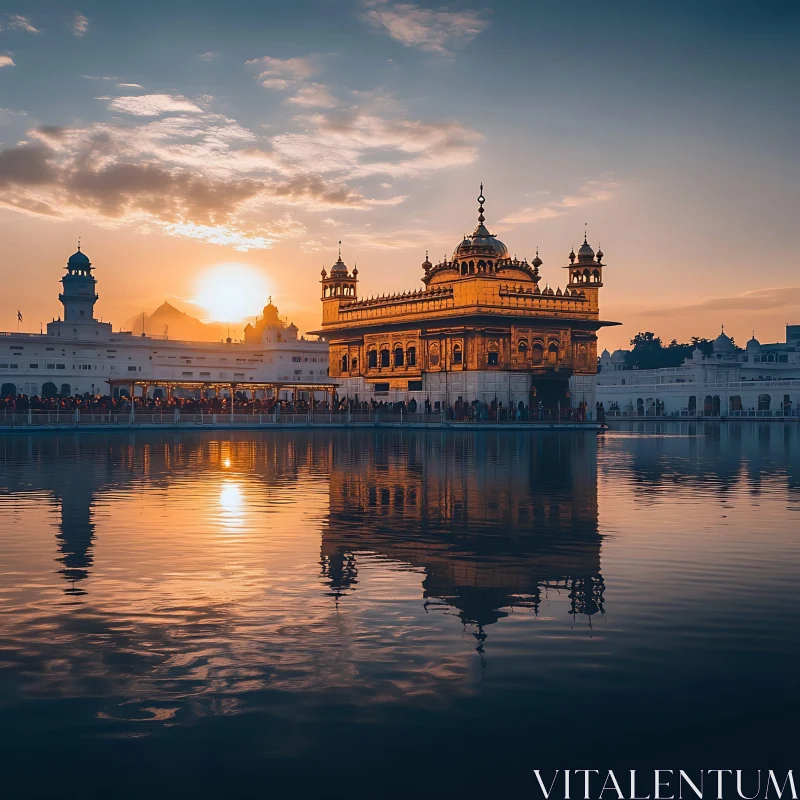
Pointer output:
x,y
208,178
282,74
362,144
438,31
152,105
80,24
129,86
16,22
313,95
770,299
591,192
6,61
209,56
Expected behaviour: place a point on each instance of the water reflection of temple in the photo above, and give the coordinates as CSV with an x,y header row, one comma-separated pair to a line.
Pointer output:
x,y
494,520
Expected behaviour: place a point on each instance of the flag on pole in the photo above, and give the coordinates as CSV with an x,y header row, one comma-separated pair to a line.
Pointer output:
x,y
19,316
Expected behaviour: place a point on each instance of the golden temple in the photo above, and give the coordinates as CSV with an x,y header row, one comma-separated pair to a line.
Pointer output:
x,y
480,329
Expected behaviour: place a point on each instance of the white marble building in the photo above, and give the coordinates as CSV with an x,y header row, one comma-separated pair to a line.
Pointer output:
x,y
79,354
761,380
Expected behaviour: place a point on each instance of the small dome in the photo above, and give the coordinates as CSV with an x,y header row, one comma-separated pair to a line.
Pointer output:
x,y
586,253
723,343
605,354
753,344
79,260
600,255
339,268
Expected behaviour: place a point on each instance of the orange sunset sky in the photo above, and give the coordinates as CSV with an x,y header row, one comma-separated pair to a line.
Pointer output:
x,y
191,150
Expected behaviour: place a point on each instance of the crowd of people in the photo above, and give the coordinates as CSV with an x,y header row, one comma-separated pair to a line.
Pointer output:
x,y
460,411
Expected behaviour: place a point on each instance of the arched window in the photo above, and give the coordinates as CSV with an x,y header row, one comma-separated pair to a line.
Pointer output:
x,y
585,278
481,266
399,356
537,353
372,358
457,354
596,276
489,265
344,363
522,348
715,405
764,401
583,357
354,365
385,357
411,356
66,390
735,403
552,353
433,356
639,407
493,356
49,389
8,390
464,267
708,401
692,405
471,267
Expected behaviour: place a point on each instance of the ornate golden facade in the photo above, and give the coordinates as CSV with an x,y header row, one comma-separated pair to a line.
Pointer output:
x,y
481,328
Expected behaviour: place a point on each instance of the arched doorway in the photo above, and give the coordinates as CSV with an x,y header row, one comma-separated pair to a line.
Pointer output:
x,y
49,390
8,390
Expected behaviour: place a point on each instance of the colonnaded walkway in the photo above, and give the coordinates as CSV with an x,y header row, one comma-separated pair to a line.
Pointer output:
x,y
42,421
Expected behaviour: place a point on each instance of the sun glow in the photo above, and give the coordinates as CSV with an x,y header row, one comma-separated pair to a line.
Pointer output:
x,y
231,292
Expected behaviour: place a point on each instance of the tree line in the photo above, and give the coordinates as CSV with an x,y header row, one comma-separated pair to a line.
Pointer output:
x,y
649,352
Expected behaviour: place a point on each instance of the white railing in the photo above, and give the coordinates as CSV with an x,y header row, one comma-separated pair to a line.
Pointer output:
x,y
150,418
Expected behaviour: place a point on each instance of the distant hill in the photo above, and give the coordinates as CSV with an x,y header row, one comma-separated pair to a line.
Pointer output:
x,y
176,324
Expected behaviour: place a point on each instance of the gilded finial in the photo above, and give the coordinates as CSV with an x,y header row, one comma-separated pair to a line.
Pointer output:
x,y
585,232
79,244
481,201
340,249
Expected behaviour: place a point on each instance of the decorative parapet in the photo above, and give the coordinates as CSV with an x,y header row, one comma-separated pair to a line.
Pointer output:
x,y
518,296
440,297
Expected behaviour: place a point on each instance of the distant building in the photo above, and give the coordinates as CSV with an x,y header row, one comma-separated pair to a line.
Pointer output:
x,y
761,380
481,328
80,355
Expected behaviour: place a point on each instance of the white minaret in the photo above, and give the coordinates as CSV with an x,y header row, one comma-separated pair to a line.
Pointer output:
x,y
79,295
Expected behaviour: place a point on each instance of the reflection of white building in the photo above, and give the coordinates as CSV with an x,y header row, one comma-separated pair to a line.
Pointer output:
x,y
762,380
80,354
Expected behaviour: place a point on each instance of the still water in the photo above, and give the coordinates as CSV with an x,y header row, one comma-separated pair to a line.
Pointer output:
x,y
371,614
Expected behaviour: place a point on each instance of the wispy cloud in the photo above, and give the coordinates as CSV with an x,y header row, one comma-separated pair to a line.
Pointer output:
x,y
360,144
439,31
79,24
152,105
314,95
6,61
129,86
209,56
283,74
591,192
771,299
16,22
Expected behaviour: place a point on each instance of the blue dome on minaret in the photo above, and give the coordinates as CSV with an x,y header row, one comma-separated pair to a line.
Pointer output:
x,y
79,260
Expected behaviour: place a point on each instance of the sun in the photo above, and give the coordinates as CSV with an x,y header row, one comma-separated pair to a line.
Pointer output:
x,y
230,292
